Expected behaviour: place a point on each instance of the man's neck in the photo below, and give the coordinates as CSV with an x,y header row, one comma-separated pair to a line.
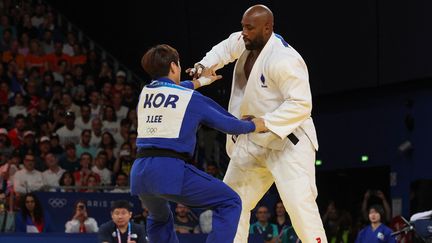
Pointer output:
x,y
263,224
184,219
55,169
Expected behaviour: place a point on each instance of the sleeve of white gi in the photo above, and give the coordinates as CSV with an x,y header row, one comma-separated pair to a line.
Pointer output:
x,y
225,52
291,76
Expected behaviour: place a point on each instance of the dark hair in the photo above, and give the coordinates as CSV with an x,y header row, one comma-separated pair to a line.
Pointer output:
x,y
38,210
61,181
112,144
379,209
121,204
114,115
157,61
76,204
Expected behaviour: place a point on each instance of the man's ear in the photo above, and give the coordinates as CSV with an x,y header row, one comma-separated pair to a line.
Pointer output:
x,y
172,67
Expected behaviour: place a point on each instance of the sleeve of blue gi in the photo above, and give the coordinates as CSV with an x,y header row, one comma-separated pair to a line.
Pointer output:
x,y
213,115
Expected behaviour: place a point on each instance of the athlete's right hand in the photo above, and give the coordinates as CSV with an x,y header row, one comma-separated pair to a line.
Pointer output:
x,y
259,125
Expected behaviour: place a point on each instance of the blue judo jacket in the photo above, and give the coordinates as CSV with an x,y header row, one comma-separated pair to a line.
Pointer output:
x,y
168,117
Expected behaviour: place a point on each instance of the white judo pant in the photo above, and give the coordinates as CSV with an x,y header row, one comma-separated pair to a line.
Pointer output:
x,y
252,171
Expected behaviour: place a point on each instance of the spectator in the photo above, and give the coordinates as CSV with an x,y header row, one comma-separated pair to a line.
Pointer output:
x,y
38,17
24,44
16,134
213,170
91,182
56,55
84,122
119,84
121,228
54,172
84,145
69,161
67,179
142,217
68,46
125,160
44,149
79,58
184,222
109,120
84,172
19,106
14,55
376,231
95,106
67,100
7,218
100,169
6,41
120,110
32,218
96,132
122,181
280,218
130,98
47,42
376,197
28,179
56,148
123,135
35,57
69,133
81,222
263,227
5,143
108,144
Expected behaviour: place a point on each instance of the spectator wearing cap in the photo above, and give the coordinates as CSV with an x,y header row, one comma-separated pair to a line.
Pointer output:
x,y
28,179
69,160
56,148
84,122
19,106
52,175
84,145
119,82
16,134
121,111
69,133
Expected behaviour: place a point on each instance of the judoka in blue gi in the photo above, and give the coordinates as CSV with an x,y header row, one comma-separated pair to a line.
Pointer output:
x,y
168,119
376,232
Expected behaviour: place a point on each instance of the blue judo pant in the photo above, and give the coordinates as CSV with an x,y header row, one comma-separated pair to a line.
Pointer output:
x,y
198,190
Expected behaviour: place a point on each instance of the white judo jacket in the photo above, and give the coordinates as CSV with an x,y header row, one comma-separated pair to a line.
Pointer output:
x,y
277,89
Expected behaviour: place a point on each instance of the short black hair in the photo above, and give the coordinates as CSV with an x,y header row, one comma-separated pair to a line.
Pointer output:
x,y
379,209
121,204
157,60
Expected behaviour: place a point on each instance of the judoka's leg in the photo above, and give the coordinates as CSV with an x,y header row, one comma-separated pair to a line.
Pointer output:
x,y
294,173
160,222
251,185
202,190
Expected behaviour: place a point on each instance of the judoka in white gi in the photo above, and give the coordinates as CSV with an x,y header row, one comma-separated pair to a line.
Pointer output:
x,y
271,81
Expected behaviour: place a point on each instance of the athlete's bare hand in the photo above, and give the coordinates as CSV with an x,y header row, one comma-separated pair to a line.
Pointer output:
x,y
259,125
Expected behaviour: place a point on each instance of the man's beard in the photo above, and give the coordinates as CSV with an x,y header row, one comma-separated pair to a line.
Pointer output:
x,y
256,44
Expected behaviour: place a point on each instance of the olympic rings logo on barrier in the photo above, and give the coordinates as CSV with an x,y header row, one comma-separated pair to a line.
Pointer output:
x,y
151,130
57,202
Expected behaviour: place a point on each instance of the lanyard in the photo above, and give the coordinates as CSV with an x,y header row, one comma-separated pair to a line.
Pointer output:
x,y
129,233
